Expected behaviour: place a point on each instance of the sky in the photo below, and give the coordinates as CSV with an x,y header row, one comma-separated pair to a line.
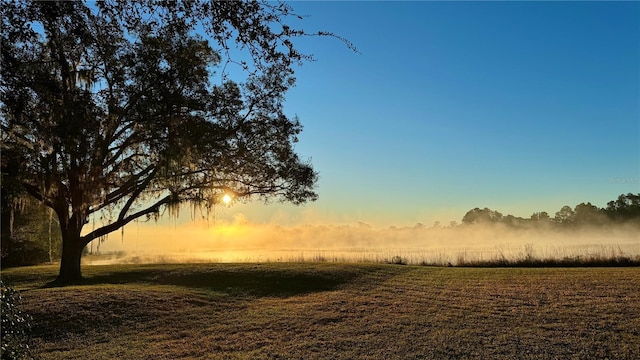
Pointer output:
x,y
447,106
520,107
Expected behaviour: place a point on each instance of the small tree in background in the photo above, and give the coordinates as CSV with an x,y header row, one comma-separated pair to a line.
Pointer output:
x,y
624,208
566,216
540,216
588,214
478,216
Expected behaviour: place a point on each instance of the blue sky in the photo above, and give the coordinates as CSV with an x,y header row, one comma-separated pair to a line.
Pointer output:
x,y
515,106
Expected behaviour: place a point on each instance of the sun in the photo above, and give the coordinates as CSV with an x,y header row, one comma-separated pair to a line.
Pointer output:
x,y
226,199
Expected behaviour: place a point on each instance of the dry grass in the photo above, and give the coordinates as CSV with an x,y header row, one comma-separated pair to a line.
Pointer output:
x,y
333,311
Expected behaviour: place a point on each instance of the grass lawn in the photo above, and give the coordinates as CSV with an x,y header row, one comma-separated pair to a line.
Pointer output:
x,y
333,311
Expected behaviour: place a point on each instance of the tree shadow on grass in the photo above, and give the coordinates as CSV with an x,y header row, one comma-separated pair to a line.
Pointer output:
x,y
94,308
254,282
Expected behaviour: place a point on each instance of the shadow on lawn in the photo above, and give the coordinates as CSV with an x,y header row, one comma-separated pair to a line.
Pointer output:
x,y
258,282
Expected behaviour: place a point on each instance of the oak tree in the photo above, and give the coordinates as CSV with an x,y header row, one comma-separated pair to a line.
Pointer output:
x,y
123,109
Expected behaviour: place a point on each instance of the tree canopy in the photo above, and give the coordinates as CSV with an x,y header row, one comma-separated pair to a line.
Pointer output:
x,y
624,210
110,109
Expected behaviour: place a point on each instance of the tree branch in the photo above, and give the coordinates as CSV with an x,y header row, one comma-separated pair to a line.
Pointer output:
x,y
124,221
139,189
35,192
126,188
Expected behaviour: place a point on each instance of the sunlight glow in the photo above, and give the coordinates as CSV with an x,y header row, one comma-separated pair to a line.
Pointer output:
x,y
226,199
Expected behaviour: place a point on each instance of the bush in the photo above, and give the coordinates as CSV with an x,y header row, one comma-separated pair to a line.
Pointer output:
x,y
15,326
22,253
397,260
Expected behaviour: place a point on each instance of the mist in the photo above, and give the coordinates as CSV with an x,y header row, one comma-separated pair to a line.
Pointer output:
x,y
239,240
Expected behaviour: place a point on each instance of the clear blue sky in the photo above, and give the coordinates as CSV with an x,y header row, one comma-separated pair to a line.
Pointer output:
x,y
515,106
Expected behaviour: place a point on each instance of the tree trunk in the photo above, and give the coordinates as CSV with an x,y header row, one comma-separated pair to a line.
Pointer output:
x,y
6,214
70,271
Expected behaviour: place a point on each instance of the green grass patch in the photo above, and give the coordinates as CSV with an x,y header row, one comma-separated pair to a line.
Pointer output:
x,y
332,311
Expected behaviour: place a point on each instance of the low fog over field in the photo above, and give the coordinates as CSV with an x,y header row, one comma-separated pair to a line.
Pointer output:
x,y
240,241
582,232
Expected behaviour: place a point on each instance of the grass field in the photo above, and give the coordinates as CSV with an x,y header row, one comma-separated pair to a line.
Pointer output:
x,y
333,311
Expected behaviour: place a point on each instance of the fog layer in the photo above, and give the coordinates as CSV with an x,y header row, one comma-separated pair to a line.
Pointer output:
x,y
242,241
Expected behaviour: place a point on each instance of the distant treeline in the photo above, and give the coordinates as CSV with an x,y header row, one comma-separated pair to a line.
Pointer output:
x,y
625,209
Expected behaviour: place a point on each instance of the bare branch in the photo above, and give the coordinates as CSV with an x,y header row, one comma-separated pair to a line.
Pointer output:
x,y
130,186
138,190
124,221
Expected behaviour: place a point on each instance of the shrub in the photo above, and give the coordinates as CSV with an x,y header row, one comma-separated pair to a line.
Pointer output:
x,y
397,260
15,326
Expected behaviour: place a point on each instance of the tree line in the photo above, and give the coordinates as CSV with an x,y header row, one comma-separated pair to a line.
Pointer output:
x,y
625,209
